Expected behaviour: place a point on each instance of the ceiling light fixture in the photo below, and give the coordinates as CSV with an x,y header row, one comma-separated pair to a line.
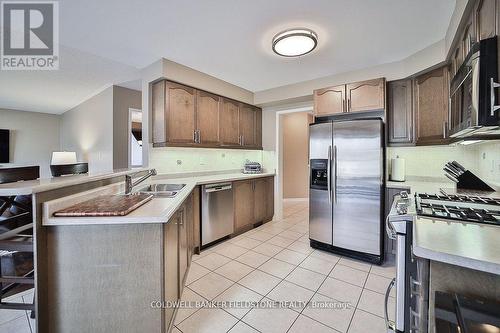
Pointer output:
x,y
295,42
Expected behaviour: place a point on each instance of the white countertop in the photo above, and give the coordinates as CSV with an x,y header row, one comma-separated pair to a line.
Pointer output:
x,y
431,185
157,210
47,184
470,245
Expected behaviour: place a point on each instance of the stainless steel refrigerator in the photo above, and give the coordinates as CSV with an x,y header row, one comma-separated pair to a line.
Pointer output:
x,y
346,160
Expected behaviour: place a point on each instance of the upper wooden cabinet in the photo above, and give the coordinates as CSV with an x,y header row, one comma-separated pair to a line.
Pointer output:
x,y
329,101
188,117
207,117
486,14
400,112
431,107
353,97
229,123
366,95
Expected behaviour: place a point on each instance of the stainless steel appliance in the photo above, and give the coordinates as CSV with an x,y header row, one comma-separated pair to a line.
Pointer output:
x,y
346,187
252,167
412,273
217,212
474,110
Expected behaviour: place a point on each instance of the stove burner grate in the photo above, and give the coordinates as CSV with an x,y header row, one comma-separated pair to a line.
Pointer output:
x,y
460,198
466,214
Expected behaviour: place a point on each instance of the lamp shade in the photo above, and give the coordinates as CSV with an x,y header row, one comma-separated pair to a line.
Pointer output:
x,y
63,157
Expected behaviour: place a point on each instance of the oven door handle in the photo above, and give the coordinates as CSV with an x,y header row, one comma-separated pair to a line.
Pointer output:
x,y
389,323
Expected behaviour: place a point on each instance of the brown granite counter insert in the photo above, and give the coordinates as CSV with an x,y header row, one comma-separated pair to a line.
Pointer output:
x,y
106,205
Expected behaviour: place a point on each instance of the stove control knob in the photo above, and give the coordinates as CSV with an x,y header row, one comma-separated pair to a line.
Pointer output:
x,y
403,194
401,208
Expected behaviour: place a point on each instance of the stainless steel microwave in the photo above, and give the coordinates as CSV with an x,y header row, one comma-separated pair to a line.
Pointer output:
x,y
473,105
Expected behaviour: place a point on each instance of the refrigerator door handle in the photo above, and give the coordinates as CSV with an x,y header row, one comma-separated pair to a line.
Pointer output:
x,y
329,174
335,173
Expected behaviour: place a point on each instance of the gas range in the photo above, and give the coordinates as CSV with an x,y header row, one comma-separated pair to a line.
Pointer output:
x,y
464,208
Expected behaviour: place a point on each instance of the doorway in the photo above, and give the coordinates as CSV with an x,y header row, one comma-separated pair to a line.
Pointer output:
x,y
135,138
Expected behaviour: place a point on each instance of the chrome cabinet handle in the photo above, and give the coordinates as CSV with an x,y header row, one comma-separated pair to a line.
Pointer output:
x,y
335,173
414,287
493,85
194,136
389,323
199,136
329,174
445,126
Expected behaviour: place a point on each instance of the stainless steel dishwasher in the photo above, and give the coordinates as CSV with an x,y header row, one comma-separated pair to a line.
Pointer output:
x,y
217,212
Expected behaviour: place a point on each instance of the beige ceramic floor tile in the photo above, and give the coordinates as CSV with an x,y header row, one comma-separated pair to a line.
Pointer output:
x,y
231,250
341,291
213,261
337,318
361,265
271,320
188,296
268,249
280,241
253,259
348,274
277,268
241,327
237,293
333,258
291,234
387,270
247,243
260,236
9,315
259,282
301,247
175,330
211,285
378,283
291,257
234,270
363,322
306,278
373,303
289,292
304,324
317,265
195,272
18,325
208,321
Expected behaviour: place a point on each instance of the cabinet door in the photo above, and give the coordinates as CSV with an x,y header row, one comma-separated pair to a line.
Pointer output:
x,y
486,14
180,113
260,199
228,123
170,265
158,113
190,226
243,204
247,125
366,95
270,198
207,118
400,112
329,101
469,35
431,107
258,128
183,247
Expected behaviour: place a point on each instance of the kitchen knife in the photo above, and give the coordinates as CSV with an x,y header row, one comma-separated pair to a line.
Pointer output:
x,y
458,165
451,172
453,167
453,179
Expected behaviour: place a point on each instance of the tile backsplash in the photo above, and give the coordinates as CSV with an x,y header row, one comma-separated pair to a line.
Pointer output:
x,y
177,160
482,159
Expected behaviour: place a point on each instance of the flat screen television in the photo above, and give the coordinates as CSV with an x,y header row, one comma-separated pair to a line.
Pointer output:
x,y
4,146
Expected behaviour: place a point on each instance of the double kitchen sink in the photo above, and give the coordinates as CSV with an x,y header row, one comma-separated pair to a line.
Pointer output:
x,y
161,190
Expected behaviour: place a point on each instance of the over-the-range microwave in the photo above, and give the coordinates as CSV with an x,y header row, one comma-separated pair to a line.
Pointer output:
x,y
473,107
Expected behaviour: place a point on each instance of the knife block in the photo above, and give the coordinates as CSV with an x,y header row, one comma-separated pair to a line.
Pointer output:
x,y
469,181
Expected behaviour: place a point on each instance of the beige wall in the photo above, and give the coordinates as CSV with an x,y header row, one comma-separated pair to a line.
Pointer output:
x,y
123,100
33,138
295,155
88,130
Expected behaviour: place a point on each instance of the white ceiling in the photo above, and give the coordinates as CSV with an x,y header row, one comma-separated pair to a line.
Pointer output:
x,y
105,42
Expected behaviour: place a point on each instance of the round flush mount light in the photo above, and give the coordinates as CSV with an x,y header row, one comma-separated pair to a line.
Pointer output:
x,y
295,42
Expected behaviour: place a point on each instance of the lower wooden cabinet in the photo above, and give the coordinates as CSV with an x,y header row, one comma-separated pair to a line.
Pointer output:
x,y
253,201
170,266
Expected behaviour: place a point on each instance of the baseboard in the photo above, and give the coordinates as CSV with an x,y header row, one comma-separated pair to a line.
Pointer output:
x,y
296,200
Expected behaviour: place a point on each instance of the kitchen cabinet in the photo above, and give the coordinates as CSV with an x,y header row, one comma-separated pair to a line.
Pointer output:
x,y
431,94
246,125
366,95
400,113
329,101
184,116
183,247
229,123
260,199
207,118
170,266
353,97
486,14
243,204
270,198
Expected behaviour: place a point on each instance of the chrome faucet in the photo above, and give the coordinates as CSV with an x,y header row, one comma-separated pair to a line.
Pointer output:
x,y
129,185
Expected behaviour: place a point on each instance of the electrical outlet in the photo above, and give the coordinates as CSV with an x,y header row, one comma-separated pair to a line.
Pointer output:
x,y
179,162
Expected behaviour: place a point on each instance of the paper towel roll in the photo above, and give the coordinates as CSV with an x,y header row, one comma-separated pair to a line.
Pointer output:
x,y
398,169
